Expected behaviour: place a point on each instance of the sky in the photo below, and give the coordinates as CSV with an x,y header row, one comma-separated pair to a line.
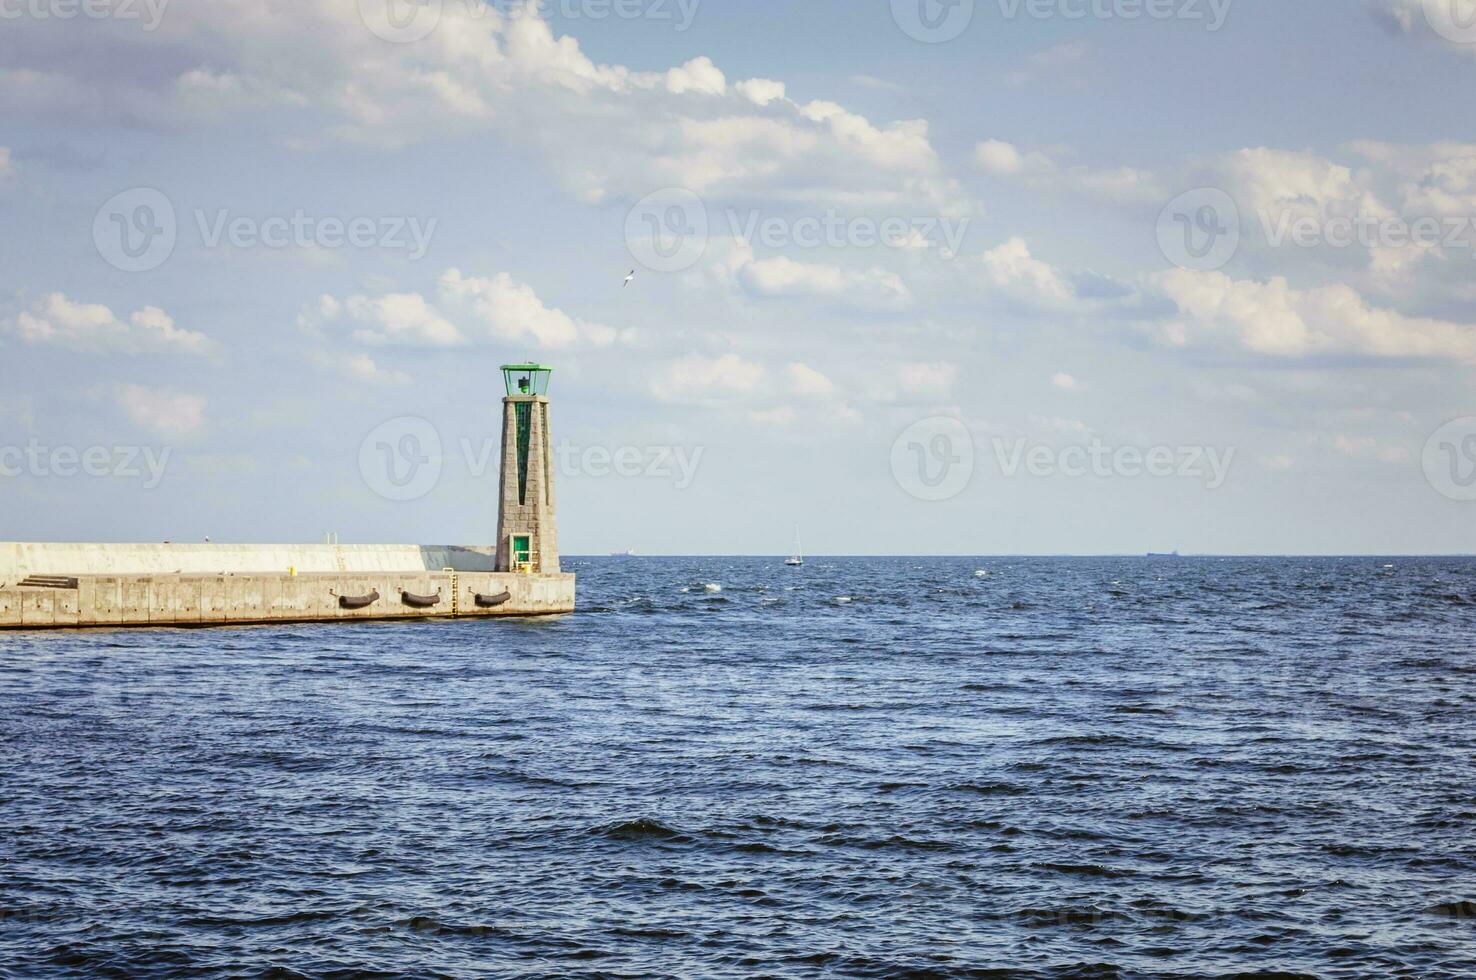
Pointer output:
x,y
913,276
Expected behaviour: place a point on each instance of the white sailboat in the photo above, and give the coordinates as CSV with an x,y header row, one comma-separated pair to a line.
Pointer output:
x,y
798,558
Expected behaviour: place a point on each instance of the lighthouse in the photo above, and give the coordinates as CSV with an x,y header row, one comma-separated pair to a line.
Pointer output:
x,y
527,529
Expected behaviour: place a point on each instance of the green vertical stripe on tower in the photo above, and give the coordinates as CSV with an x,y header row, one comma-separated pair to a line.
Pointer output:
x,y
525,437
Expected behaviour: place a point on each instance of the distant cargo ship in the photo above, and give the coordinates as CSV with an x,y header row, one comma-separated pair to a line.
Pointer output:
x,y
627,553
1159,554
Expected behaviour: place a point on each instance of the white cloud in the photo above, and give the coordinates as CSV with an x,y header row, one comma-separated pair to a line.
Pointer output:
x,y
807,382
361,367
761,91
1040,171
696,379
699,75
730,381
165,413
880,84
93,328
401,319
873,288
510,310
1273,319
730,264
7,165
1004,159
464,307
482,69
1437,179
782,416
1065,381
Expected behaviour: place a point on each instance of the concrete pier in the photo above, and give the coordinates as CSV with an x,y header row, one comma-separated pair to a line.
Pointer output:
x,y
80,585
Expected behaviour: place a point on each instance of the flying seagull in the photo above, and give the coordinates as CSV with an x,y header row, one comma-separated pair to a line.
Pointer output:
x,y
628,279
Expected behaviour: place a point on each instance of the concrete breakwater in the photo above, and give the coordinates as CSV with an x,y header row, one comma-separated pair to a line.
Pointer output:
x,y
53,585
72,586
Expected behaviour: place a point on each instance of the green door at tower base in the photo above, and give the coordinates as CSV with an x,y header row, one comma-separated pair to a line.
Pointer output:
x,y
522,549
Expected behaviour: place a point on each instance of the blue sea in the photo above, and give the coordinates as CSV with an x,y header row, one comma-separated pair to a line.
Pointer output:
x,y
883,767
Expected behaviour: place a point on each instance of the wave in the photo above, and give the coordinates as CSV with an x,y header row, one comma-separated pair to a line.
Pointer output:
x,y
643,829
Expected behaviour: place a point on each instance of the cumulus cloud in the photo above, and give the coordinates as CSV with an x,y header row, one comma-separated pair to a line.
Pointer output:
x,y
768,396
730,263
362,367
805,381
480,69
1039,170
401,319
1276,320
697,379
95,329
464,307
170,414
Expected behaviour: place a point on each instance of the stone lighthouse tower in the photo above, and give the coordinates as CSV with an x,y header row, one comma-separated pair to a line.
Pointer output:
x,y
527,529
